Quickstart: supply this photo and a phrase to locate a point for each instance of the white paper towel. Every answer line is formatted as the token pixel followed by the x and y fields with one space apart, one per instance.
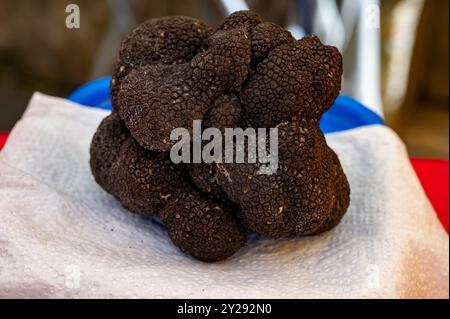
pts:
pixel 61 235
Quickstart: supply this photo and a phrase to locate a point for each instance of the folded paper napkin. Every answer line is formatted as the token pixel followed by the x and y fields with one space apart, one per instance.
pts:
pixel 61 235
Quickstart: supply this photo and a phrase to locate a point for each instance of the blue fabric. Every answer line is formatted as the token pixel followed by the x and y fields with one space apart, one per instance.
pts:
pixel 94 93
pixel 345 114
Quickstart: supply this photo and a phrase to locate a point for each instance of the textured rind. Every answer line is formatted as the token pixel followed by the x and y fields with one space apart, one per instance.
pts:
pixel 265 37
pixel 341 190
pixel 241 19
pixel 155 99
pixel 142 180
pixel 224 113
pixel 301 79
pixel 166 40
pixel 203 229
pixel 105 149
pixel 148 183
pixel 308 193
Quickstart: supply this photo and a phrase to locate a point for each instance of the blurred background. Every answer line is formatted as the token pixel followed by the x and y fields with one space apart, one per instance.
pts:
pixel 395 51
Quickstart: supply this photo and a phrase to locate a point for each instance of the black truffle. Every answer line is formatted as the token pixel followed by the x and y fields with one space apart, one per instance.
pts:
pixel 248 73
pixel 155 99
pixel 166 40
pixel 301 79
pixel 148 183
pixel 291 88
pixel 307 194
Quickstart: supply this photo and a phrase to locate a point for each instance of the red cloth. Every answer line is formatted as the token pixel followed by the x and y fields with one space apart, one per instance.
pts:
pixel 433 175
pixel 3 137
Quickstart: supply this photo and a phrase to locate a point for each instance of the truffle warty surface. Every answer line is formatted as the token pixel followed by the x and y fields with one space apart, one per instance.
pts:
pixel 247 73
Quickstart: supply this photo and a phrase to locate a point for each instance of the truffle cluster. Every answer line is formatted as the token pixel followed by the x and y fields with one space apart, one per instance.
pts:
pixel 247 73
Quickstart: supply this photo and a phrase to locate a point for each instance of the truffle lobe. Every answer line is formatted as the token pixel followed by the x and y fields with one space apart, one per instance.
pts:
pixel 166 40
pixel 202 229
pixel 299 79
pixel 243 19
pixel 156 99
pixel 305 195
pixel 146 182
pixel 265 37
pixel 224 113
